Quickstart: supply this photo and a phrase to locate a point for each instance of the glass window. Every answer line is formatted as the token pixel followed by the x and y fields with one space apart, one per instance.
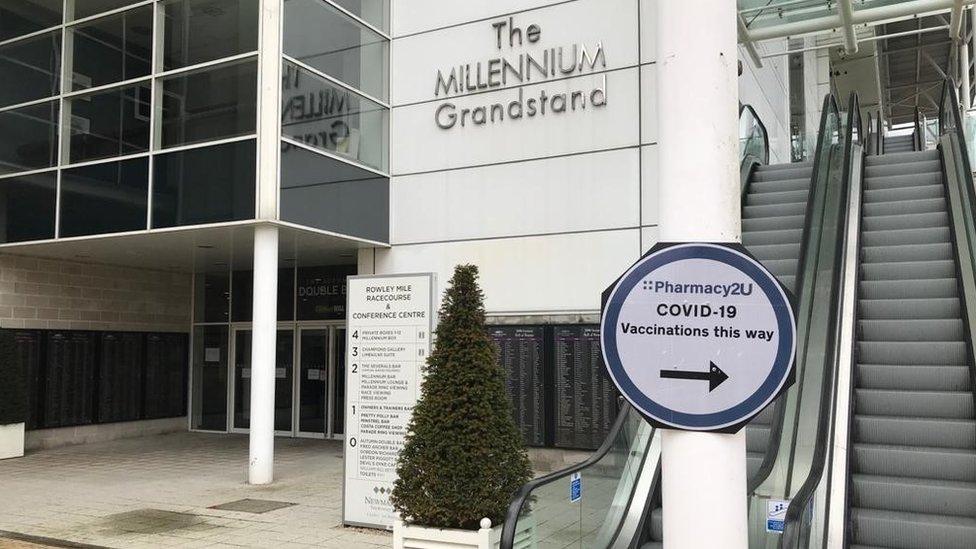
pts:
pixel 319 35
pixel 87 8
pixel 104 198
pixel 322 292
pixel 111 49
pixel 321 192
pixel 110 123
pixel 206 185
pixel 323 115
pixel 27 16
pixel 209 393
pixel 374 12
pixel 244 295
pixel 196 31
pixel 211 103
pixel 212 297
pixel 30 138
pixel 30 69
pixel 27 207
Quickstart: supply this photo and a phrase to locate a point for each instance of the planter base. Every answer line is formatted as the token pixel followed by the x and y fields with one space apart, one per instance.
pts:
pixel 11 440
pixel 408 536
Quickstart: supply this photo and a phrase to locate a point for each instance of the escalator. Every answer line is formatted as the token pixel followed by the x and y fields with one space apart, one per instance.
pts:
pixel 784 212
pixel 900 470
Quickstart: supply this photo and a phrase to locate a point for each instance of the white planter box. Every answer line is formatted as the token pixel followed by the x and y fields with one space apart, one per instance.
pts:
pixel 407 536
pixel 11 440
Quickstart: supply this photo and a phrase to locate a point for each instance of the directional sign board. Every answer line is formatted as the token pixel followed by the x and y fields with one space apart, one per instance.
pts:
pixel 698 336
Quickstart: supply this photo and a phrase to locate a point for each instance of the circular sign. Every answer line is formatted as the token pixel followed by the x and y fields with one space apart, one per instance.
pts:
pixel 698 336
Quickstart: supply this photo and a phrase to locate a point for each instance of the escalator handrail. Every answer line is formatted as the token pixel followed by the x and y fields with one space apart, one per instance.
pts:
pixel 799 503
pixel 776 429
pixel 764 159
pixel 919 137
pixel 515 507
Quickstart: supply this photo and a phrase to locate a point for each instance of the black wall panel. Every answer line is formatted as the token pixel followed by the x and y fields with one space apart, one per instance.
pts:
pixel 29 353
pixel 69 386
pixel 166 367
pixel 522 355
pixel 120 370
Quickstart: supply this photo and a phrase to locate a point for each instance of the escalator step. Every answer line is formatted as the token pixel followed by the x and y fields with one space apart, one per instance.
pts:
pixel 901 530
pixel 891 237
pixel 766 252
pixel 913 403
pixel 919 192
pixel 781 267
pixel 760 187
pixel 904 158
pixel 778 197
pixel 882 309
pixel 757 437
pixel 905 207
pixel 872 171
pixel 915 462
pixel 914 495
pixel 772 223
pixel 928 329
pixel 905 222
pixel 907 252
pixel 908 289
pixel 751 239
pixel 903 180
pixel 914 352
pixel 915 431
pixel 774 210
pixel 923 377
pixel 908 270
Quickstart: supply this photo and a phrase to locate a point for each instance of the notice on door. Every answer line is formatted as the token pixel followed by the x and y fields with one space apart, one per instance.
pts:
pixel 389 323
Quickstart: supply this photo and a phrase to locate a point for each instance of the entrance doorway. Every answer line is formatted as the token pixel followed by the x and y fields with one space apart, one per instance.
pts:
pixel 309 380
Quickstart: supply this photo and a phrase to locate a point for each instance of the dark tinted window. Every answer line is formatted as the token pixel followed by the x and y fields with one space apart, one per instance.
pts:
pixel 212 297
pixel 322 292
pixel 87 8
pixel 30 69
pixel 206 185
pixel 27 206
pixel 104 198
pixel 111 49
pixel 319 35
pixel 110 123
pixel 211 103
pixel 29 138
pixel 327 194
pixel 374 12
pixel 21 17
pixel 244 295
pixel 196 31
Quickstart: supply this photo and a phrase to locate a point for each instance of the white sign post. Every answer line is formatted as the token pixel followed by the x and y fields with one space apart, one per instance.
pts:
pixel 389 323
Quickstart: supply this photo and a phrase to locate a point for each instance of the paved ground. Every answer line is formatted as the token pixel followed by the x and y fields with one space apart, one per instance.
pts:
pixel 157 492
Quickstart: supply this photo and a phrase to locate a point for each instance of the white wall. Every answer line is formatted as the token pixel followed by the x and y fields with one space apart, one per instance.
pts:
pixel 767 90
pixel 552 208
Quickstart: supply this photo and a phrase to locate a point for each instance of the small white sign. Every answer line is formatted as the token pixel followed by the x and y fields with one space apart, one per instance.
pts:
pixel 776 515
pixel 313 375
pixel 280 372
pixel 211 354
pixel 245 373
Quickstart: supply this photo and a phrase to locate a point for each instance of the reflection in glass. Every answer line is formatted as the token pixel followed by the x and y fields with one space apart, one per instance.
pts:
pixel 319 35
pixel 196 31
pixel 30 69
pixel 323 115
pixel 87 8
pixel 29 138
pixel 27 206
pixel 322 192
pixel 104 198
pixel 374 12
pixel 314 380
pixel 242 379
pixel 205 185
pixel 244 298
pixel 211 299
pixel 110 123
pixel 322 292
pixel 211 103
pixel 111 49
pixel 27 16
pixel 209 392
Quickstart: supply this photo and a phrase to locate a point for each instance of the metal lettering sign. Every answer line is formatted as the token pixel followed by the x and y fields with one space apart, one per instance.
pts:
pixel 699 337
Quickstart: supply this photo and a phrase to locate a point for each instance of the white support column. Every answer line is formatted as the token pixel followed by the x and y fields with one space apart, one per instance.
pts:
pixel 964 75
pixel 703 474
pixel 264 322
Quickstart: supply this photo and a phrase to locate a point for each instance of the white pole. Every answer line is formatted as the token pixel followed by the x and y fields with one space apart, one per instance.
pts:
pixel 703 474
pixel 264 323
pixel 964 73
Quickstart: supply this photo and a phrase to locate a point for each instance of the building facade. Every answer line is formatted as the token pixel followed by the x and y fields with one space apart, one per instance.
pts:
pixel 146 143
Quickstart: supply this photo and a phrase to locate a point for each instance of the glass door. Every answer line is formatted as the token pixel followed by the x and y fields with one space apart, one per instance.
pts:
pixel 313 381
pixel 241 391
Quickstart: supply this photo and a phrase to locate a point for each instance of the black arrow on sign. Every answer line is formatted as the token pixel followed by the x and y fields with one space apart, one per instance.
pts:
pixel 715 376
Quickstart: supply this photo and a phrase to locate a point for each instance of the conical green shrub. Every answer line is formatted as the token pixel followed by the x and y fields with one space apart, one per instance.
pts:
pixel 463 457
